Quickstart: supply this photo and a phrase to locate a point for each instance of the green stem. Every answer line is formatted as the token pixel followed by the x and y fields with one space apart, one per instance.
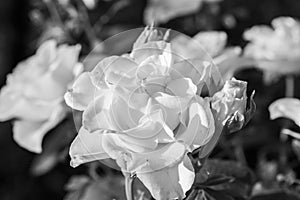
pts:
pixel 128 186
pixel 88 29
pixel 289 86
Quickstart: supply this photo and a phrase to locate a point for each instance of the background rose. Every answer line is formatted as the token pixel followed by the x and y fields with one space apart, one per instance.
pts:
pixel 211 43
pixel 275 49
pixel 33 93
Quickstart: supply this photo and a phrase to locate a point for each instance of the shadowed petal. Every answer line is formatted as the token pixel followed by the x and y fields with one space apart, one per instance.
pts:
pixel 82 93
pixel 29 135
pixel 86 147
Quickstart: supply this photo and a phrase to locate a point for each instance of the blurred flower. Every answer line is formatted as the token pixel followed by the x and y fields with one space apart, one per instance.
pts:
pixel 277 50
pixel 90 4
pixel 209 44
pixel 143 110
pixel 286 108
pixel 33 93
pixel 161 11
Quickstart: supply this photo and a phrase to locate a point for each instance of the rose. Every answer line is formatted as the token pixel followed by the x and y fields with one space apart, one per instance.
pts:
pixel 211 43
pixel 143 109
pixel 273 48
pixel 161 11
pixel 229 102
pixel 33 93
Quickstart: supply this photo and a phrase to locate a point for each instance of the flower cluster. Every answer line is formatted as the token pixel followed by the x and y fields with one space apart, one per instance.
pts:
pixel 33 94
pixel 145 111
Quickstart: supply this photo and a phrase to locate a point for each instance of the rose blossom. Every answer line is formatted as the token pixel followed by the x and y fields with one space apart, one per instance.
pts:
pixel 33 94
pixel 275 49
pixel 143 110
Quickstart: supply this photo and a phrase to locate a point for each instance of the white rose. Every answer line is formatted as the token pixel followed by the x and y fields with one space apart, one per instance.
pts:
pixel 275 49
pixel 143 110
pixel 33 94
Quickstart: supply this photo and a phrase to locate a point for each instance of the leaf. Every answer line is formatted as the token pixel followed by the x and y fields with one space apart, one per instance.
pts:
pixel 218 195
pixel 277 195
pixel 296 148
pixel 228 177
pixel 104 188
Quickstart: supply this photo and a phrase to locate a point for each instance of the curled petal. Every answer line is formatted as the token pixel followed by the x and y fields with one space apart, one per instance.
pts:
pixel 120 71
pixel 97 116
pixel 201 125
pixel 82 92
pixel 86 147
pixel 171 182
pixel 287 108
pixel 153 48
pixel 29 134
pixel 182 87
pixel 201 73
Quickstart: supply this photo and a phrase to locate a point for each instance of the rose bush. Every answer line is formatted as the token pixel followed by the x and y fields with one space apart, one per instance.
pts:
pixel 144 110
pixel 33 94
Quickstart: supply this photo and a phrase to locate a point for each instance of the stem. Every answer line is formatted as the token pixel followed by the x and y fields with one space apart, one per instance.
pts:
pixel 128 186
pixel 88 29
pixel 92 167
pixel 289 86
pixel 111 12
pixel 239 152
pixel 55 16
pixel 53 12
pixel 192 195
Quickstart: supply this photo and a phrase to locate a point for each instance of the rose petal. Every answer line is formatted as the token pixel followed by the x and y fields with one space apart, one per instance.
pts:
pixel 67 59
pixel 118 70
pixel 181 87
pixel 82 93
pixel 287 108
pixel 171 182
pixel 153 48
pixel 14 105
pixel 86 147
pixel 200 72
pixel 97 116
pixel 200 127
pixel 29 135
pixel 46 52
